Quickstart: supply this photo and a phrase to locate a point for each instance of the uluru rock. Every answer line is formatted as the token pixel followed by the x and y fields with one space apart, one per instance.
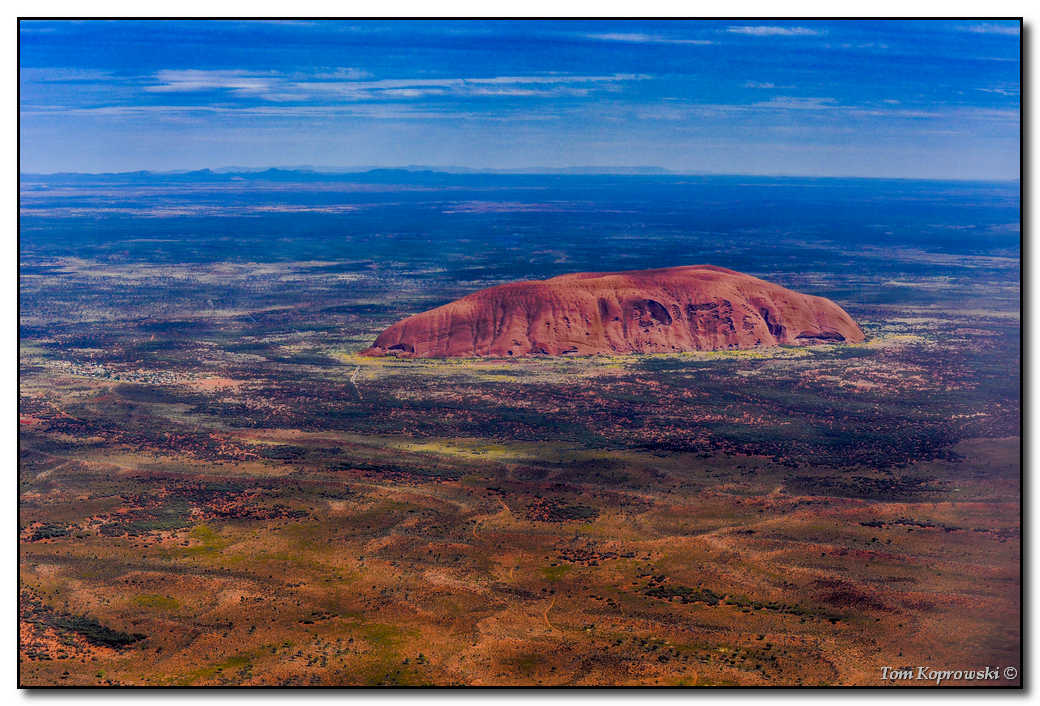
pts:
pixel 693 308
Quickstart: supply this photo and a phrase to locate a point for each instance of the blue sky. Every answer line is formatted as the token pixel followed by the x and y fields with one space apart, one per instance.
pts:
pixel 930 99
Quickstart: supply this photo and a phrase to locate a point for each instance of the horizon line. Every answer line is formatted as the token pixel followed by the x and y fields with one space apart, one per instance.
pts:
pixel 617 170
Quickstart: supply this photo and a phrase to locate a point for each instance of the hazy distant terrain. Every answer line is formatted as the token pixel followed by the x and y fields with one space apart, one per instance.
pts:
pixel 216 489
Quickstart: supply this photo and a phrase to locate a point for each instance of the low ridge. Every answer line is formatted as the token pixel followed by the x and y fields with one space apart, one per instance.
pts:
pixel 692 308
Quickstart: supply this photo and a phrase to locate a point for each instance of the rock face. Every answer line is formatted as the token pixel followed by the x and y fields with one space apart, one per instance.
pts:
pixel 699 307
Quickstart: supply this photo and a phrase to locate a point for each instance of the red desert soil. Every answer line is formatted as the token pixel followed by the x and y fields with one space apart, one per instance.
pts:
pixel 699 307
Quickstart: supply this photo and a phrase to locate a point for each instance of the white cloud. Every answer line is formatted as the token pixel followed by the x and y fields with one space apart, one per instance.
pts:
pixel 374 111
pixel 343 74
pixel 639 38
pixel 496 80
pixel 790 103
pixel 332 84
pixel 827 106
pixel 759 84
pixel 774 31
pixel 1000 91
pixel 174 81
pixel 989 28
pixel 860 45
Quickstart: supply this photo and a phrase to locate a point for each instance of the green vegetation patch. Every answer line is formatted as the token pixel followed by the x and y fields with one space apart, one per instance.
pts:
pixel 154 600
pixel 172 515
pixel 382 634
pixel 242 660
pixel 526 663
pixel 555 572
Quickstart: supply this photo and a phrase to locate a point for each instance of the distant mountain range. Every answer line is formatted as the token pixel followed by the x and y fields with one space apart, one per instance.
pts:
pixel 413 174
pixel 456 170
pixel 311 170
